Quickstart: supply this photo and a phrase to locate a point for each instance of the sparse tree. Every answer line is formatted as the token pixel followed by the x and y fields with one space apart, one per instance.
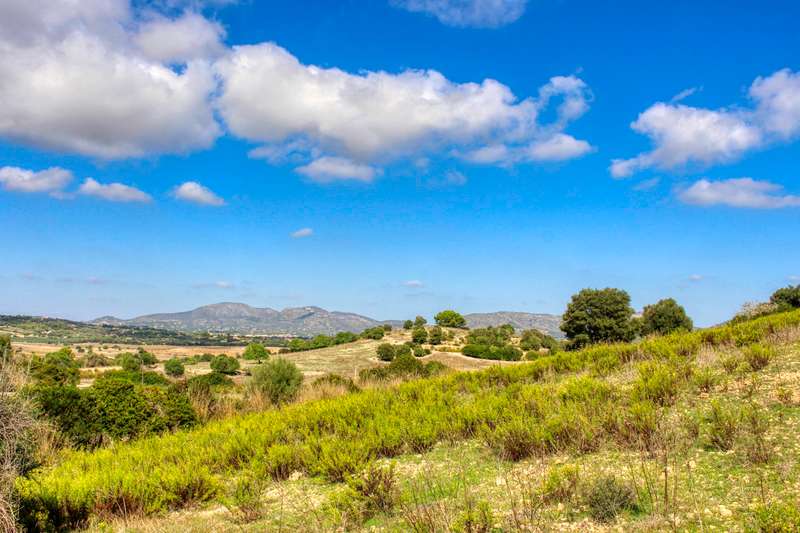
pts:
pixel 450 319
pixel 408 324
pixel 598 315
pixel 664 317
pixel 420 321
pixel 224 364
pixel 255 352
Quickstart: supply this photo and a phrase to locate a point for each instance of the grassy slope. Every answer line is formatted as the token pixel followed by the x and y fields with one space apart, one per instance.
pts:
pixel 712 487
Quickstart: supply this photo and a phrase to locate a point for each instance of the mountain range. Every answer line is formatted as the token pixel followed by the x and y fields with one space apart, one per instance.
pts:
pixel 305 321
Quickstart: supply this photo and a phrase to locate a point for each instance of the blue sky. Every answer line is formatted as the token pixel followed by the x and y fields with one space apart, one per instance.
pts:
pixel 352 155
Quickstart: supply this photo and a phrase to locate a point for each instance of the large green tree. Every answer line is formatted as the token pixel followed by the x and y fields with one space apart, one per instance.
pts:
pixel 786 297
pixel 598 315
pixel 665 316
pixel 450 319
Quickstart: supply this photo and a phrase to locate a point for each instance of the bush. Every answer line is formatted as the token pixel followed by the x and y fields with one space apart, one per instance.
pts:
pixel 664 317
pixel 721 426
pixel 55 368
pixel 758 356
pixel 436 335
pixel 408 324
pixel 337 381
pixel 129 362
pixel 278 380
pixel 497 353
pixel 142 378
pixel 92 359
pixel 657 382
pixel 255 352
pixel 607 497
pixel 533 339
pixel 776 518
pixel 209 381
pixel 224 364
pixel 419 351
pixel 450 319
pixel 174 367
pixel 420 321
pixel 491 336
pixel 385 351
pixel 375 333
pixel 786 298
pixel 419 335
pixel 598 315
pixel 5 348
pixel 146 357
pixel 377 487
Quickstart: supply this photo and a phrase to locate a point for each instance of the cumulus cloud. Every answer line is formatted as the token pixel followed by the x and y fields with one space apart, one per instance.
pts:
pixel 113 192
pixel 301 233
pixel 191 191
pixel 328 169
pixel 738 192
pixel 189 37
pixel 52 180
pixel 293 109
pixel 682 135
pixel 73 79
pixel 467 13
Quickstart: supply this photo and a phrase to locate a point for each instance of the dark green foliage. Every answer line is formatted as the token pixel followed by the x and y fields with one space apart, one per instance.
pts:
pixel 278 380
pixel 497 353
pixel 664 316
pixel 533 339
pixel 404 349
pixel 385 351
pixel 375 333
pixel 224 364
pixel 55 368
pixel 344 337
pixel 174 367
pixel 408 324
pixel 607 497
pixel 435 335
pixel 491 336
pixel 419 335
pixel 420 321
pixel 146 357
pixel 786 297
pixel 255 352
pixel 92 359
pixel 336 380
pixel 419 351
pixel 202 358
pixel 450 319
pixel 5 348
pixel 129 362
pixel 113 409
pixel 210 380
pixel 404 365
pixel 142 378
pixel 598 315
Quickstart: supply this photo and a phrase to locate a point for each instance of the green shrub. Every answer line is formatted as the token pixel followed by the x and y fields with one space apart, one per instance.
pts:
pixel 209 381
pixel 385 351
pixel 420 351
pixel 377 487
pixel 244 501
pixel 657 382
pixel 408 324
pixel 561 484
pixel 758 356
pixel 419 335
pixel 255 352
pixel 146 357
pixel 476 518
pixel 174 367
pixel 92 359
pixel 55 368
pixel 598 315
pixel 419 321
pixel 533 339
pixel 142 378
pixel 705 379
pixel 786 297
pixel 436 335
pixel 5 348
pixel 375 333
pixel 450 319
pixel 278 380
pixel 224 364
pixel 497 353
pixel 607 497
pixel 721 426
pixel 336 380
pixel 775 518
pixel 663 317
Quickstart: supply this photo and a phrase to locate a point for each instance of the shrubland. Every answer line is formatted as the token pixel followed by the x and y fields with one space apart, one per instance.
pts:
pixel 619 398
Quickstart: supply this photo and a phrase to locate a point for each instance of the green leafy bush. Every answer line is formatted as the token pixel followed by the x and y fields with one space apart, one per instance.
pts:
pixel 385 351
pixel 607 497
pixel 598 315
pixel 55 368
pixel 775 518
pixel 225 364
pixel 142 378
pixel 657 382
pixel 758 356
pixel 408 324
pixel 663 317
pixel 174 367
pixel 375 333
pixel 533 339
pixel 210 380
pixel 420 321
pixel 436 335
pixel 337 381
pixel 786 297
pixel 498 353
pixel 419 335
pixel 278 380
pixel 721 426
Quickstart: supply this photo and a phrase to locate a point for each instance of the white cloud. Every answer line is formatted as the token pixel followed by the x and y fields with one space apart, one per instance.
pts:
pixel 269 97
pixel 52 180
pixel 646 185
pixel 794 278
pixel 468 13
pixel 684 94
pixel 559 147
pixel 186 38
pixel 328 169
pixel 73 80
pixel 301 233
pixel 191 191
pixel 113 192
pixel 696 277
pixel 224 285
pixel 738 192
pixel 682 135
pixel 413 284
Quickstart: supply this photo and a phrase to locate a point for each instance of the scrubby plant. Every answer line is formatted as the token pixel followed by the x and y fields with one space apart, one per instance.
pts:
pixel 420 351
pixel 607 497
pixel 210 380
pixel 758 356
pixel 755 426
pixel 561 484
pixel 278 380
pixel 244 502
pixel 420 321
pixel 775 517
pixel 450 319
pixel 408 324
pixel 375 333
pixel 5 348
pixel 419 335
pixel 174 367
pixel 129 362
pixel 786 297
pixel 94 359
pixel 657 382
pixel 491 336
pixel 255 352
pixel 140 377
pixel 721 424
pixel 56 368
pixel 476 518
pixel 534 340
pixel 435 335
pixel 377 487
pixel 705 379
pixel 385 351
pixel 224 364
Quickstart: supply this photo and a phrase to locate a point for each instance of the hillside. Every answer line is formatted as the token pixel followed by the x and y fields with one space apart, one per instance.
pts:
pixel 690 431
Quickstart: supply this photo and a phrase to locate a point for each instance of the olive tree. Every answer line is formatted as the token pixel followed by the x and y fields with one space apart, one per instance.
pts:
pixel 598 315
pixel 665 316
